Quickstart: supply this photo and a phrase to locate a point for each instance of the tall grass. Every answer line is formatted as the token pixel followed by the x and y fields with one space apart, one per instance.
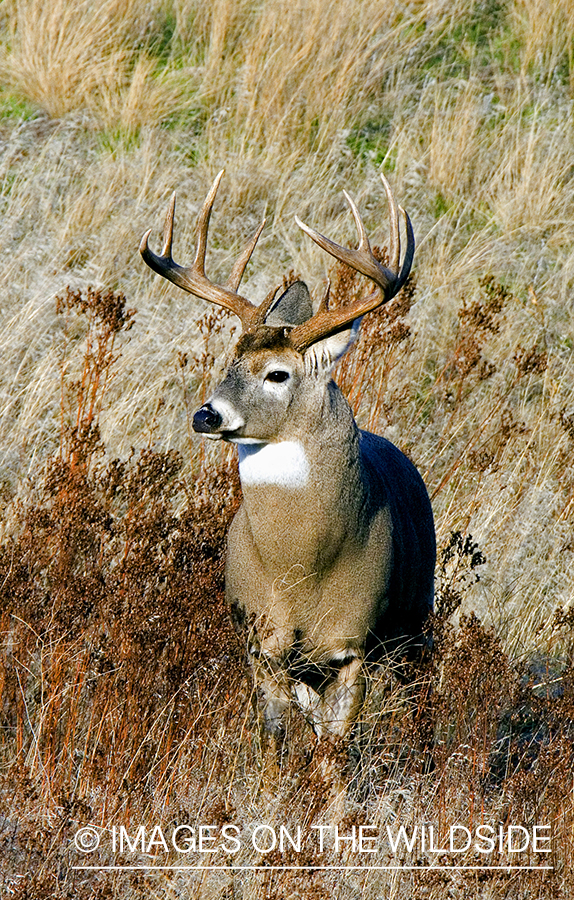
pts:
pixel 124 693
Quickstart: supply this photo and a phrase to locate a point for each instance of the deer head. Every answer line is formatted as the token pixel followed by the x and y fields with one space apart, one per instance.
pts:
pixel 282 339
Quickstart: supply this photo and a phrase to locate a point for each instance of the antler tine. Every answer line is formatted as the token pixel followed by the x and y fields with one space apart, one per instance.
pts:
pixel 409 253
pixel 240 265
pixel 192 278
pixel 395 242
pixel 361 230
pixel 168 228
pixel 266 305
pixel 324 302
pixel 202 226
pixel 390 280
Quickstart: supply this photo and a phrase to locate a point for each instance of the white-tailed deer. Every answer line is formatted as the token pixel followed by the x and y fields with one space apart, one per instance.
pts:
pixel 331 555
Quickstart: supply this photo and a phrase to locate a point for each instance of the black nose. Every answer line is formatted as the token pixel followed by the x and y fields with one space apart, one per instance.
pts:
pixel 207 420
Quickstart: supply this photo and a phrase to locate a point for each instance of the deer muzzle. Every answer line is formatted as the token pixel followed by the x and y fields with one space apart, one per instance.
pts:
pixel 207 420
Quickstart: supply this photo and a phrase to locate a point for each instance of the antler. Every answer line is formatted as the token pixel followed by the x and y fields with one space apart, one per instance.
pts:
pixel 193 278
pixel 329 321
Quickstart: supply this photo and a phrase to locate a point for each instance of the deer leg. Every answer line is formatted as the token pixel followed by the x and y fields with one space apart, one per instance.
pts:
pixel 333 711
pixel 332 704
pixel 272 690
pixel 341 701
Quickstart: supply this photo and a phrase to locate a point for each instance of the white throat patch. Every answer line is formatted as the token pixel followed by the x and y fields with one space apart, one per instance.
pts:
pixel 284 464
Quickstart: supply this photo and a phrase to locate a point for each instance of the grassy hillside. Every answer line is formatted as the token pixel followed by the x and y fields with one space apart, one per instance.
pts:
pixel 124 693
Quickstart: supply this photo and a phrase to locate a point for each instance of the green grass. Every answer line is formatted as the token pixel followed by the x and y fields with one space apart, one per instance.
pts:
pixel 15 108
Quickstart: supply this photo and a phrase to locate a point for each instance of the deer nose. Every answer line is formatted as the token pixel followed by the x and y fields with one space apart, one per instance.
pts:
pixel 207 420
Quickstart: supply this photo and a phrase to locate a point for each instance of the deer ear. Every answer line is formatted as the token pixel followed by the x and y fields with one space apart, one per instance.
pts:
pixel 321 356
pixel 292 308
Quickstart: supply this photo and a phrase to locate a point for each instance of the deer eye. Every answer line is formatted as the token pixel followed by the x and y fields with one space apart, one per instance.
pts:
pixel 277 376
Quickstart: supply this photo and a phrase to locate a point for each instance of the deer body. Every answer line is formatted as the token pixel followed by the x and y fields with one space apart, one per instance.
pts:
pixel 331 555
pixel 323 562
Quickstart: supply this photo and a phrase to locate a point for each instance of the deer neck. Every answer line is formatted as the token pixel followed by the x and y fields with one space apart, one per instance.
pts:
pixel 309 483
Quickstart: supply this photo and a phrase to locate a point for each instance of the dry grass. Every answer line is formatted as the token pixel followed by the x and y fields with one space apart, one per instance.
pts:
pixel 124 695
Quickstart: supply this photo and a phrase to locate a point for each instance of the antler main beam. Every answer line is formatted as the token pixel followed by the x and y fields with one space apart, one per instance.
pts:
pixel 193 278
pixel 389 280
